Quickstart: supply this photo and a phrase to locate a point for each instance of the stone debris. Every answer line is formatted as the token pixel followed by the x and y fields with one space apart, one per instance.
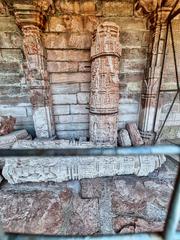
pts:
pixel 124 138
pixel 8 140
pixel 6 124
pixel 63 168
pixel 134 134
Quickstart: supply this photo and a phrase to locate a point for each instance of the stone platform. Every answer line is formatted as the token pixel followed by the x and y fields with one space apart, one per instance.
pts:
pixel 109 205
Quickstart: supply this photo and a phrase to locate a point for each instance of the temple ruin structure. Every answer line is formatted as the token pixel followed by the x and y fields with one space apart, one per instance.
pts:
pixel 82 82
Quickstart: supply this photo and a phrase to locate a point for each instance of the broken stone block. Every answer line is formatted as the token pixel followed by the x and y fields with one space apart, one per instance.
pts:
pixel 8 140
pixel 6 124
pixel 63 168
pixel 124 138
pixel 134 134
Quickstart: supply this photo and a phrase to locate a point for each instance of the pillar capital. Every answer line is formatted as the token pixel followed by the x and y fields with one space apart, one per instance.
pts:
pixel 32 12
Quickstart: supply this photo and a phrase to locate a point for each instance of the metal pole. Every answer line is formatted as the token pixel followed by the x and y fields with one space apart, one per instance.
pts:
pixel 108 151
pixel 173 216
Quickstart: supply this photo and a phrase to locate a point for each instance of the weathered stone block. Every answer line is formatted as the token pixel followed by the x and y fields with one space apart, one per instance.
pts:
pixel 83 98
pixel 58 169
pixel 72 126
pixel 68 55
pixel 123 138
pixel 131 38
pixel 84 67
pixel 91 188
pixel 11 55
pixel 16 111
pixel 117 8
pixel 70 77
pixel 65 88
pixel 75 118
pixel 10 39
pixel 134 53
pixel 134 134
pixel 8 140
pixel 64 41
pixel 10 67
pixel 65 99
pixel 62 67
pixel 73 134
pixel 7 24
pixel 66 213
pixel 81 109
pixel 141 199
pixel 61 110
pixel 85 87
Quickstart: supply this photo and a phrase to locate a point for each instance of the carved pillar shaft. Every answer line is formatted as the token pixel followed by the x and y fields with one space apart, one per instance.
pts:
pixel 151 84
pixel 104 96
pixel 31 24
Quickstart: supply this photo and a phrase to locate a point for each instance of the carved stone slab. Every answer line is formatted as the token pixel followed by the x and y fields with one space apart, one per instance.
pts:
pixel 58 169
pixel 124 138
pixel 134 133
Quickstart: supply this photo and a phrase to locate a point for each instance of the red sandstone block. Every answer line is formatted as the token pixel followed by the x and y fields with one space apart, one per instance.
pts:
pixel 62 66
pixel 68 55
pixel 78 77
pixel 134 134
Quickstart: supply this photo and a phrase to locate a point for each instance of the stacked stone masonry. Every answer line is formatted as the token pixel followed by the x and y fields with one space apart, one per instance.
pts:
pixel 67 39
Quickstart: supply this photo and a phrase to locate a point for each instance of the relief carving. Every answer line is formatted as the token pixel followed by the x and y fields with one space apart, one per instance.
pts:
pixel 31 26
pixel 104 96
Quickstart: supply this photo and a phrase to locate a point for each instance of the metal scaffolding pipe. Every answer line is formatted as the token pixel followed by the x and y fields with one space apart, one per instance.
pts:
pixel 108 151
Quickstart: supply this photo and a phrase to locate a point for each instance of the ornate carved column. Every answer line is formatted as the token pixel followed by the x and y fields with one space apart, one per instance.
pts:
pixel 157 12
pixel 31 19
pixel 104 96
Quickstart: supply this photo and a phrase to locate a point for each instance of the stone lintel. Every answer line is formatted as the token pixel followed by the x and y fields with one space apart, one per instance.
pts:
pixel 64 168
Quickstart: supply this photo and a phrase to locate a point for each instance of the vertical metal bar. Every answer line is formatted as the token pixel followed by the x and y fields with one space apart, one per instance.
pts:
pixel 173 216
pixel 160 83
pixel 159 133
pixel 174 55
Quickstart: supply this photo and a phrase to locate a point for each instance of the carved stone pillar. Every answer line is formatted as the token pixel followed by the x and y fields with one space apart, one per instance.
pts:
pixel 158 15
pixel 31 21
pixel 104 96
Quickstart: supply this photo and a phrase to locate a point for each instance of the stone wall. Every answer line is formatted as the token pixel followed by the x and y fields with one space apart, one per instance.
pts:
pixel 67 39
pixel 89 207
pixel 14 95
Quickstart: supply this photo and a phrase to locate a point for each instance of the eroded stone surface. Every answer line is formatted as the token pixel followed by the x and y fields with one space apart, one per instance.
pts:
pixel 123 138
pixel 8 140
pixel 134 134
pixel 50 211
pixel 59 169
pixel 6 124
pixel 104 92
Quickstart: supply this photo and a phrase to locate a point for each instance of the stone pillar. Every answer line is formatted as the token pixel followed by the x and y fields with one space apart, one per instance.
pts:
pixel 104 95
pixel 151 84
pixel 31 20
pixel 157 12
